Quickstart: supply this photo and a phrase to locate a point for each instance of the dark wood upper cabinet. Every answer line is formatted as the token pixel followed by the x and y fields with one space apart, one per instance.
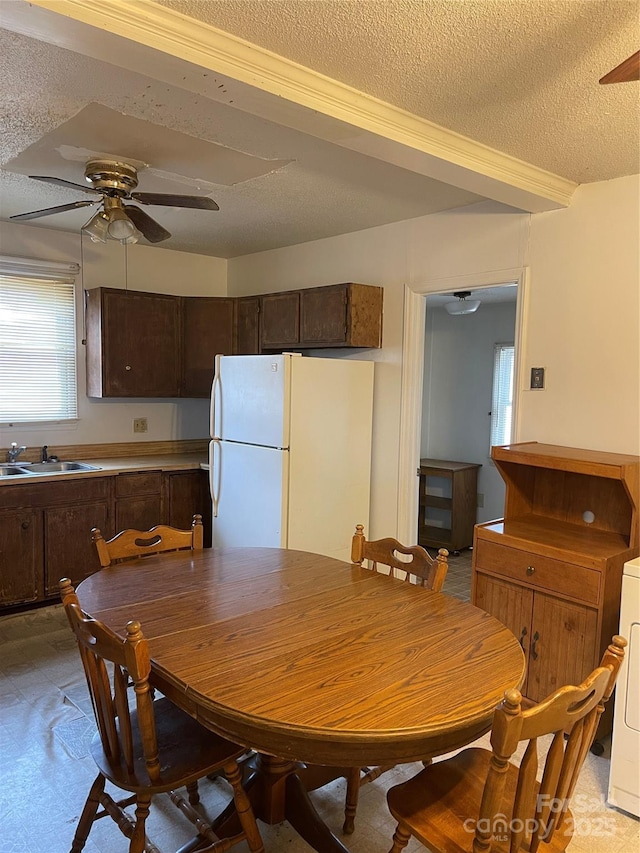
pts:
pixel 337 315
pixel 156 345
pixel 341 315
pixel 133 343
pixel 207 330
pixel 247 325
pixel 280 320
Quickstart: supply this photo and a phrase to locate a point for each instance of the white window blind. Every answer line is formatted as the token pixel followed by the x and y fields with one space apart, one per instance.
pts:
pixel 502 397
pixel 37 344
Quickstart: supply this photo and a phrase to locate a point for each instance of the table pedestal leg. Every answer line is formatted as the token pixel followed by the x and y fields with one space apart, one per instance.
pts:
pixel 278 793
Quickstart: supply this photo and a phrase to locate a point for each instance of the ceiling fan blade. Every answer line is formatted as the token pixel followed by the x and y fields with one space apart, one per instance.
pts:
pixel 626 72
pixel 197 201
pixel 47 211
pixel 149 228
pixel 62 183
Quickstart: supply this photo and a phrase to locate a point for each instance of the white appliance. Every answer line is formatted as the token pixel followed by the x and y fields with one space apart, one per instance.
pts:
pixel 624 777
pixel 290 455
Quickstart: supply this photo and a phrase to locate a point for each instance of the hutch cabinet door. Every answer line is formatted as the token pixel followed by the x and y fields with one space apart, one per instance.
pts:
pixel 511 604
pixel 563 645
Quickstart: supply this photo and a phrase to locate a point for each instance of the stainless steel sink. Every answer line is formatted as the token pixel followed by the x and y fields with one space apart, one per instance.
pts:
pixel 11 470
pixel 58 467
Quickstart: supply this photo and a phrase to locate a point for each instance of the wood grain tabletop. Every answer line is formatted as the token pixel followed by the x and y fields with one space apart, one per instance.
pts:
pixel 308 658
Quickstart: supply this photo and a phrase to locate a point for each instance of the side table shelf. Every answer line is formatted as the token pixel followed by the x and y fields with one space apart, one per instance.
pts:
pixel 450 488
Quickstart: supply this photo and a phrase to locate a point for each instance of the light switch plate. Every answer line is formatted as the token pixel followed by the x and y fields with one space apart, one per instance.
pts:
pixel 537 377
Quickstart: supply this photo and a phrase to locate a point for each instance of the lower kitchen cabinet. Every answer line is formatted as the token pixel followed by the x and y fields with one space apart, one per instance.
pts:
pixel 138 500
pixel 187 493
pixel 45 527
pixel 20 556
pixel 69 551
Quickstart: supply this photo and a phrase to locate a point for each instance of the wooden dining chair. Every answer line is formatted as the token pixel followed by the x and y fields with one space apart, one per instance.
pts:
pixel 131 544
pixel 421 569
pixel 148 749
pixel 479 800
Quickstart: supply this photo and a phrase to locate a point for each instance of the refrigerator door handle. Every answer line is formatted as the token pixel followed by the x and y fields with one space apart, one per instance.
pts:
pixel 215 387
pixel 215 474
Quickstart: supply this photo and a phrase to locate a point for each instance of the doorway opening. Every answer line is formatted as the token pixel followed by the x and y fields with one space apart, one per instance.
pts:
pixel 441 358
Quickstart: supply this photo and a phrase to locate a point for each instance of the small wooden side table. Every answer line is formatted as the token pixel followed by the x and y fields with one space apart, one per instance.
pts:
pixel 460 507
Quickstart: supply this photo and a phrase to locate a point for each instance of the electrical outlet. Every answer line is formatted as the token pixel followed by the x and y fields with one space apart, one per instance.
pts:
pixel 480 500
pixel 140 425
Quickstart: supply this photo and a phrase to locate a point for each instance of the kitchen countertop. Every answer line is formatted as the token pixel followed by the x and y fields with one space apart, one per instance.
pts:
pixel 108 467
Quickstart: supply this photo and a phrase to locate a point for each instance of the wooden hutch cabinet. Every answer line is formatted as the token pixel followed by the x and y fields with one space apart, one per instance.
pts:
pixel 551 569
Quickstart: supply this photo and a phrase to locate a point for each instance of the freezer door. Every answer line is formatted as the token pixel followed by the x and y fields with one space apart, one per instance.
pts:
pixel 250 399
pixel 249 489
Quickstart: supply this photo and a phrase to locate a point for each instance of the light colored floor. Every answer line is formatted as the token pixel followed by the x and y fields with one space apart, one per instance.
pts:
pixel 45 770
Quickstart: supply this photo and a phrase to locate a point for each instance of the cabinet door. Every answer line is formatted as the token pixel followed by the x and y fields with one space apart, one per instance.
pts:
pixel 511 604
pixel 138 500
pixel 141 513
pixel 141 344
pixel 248 325
pixel 69 551
pixel 187 493
pixel 280 320
pixel 207 330
pixel 323 316
pixel 20 556
pixel 563 645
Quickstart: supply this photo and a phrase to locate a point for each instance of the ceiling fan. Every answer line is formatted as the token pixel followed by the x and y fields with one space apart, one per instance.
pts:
pixel 115 182
pixel 625 72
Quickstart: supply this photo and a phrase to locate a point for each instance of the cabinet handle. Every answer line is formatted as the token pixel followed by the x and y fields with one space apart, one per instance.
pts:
pixel 25 525
pixel 522 636
pixel 127 367
pixel 530 570
pixel 534 653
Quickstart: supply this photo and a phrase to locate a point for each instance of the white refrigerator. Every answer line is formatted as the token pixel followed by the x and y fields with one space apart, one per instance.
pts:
pixel 290 451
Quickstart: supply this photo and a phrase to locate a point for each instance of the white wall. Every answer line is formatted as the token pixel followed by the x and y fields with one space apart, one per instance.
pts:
pixel 484 237
pixel 589 251
pixel 147 268
pixel 458 383
pixel 584 321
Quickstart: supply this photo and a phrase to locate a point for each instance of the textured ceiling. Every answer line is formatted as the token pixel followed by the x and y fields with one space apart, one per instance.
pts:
pixel 518 75
pixel 521 77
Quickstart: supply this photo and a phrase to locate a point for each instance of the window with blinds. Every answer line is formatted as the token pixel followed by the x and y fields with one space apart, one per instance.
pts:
pixel 502 396
pixel 37 345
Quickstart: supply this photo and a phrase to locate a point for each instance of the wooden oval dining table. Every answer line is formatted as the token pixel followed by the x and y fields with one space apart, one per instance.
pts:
pixel 316 664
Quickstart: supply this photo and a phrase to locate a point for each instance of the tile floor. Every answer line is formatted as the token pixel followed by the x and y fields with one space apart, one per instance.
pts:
pixel 46 771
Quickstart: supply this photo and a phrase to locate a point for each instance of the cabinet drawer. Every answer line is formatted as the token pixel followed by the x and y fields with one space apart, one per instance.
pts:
pixel 537 571
pixel 143 483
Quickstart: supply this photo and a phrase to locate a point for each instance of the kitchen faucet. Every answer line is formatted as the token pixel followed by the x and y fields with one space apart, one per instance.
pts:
pixel 14 451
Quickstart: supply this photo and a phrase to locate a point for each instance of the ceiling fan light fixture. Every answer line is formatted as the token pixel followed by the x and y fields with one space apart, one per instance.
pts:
pixel 120 227
pixel 463 305
pixel 96 227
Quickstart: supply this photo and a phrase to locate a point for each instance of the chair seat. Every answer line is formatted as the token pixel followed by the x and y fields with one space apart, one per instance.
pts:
pixel 439 803
pixel 187 750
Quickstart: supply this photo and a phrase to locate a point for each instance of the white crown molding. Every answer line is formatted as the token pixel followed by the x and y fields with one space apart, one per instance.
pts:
pixel 462 161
